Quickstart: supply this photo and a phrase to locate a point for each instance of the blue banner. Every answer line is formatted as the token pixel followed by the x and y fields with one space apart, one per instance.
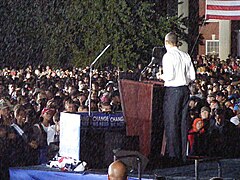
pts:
pixel 102 120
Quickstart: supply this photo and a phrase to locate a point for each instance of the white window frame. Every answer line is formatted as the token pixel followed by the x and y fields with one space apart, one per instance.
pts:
pixel 206 46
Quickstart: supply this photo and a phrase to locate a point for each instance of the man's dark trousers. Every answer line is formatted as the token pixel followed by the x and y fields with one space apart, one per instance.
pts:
pixel 175 111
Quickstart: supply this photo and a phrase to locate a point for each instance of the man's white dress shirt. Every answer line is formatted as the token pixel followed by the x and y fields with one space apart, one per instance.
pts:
pixel 178 69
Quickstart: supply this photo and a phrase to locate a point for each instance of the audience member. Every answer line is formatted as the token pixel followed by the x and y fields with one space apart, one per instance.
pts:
pixel 193 136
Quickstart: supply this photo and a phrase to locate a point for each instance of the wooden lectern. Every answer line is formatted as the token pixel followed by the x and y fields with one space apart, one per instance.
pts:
pixel 142 110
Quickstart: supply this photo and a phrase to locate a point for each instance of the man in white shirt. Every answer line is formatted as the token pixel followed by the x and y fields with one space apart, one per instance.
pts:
pixel 178 72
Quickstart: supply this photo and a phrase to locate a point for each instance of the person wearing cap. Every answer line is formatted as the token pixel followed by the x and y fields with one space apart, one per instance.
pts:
pixel 178 72
pixel 43 133
pixel 117 171
pixel 205 112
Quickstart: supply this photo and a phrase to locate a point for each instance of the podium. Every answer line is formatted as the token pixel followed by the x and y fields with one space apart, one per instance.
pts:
pixel 142 110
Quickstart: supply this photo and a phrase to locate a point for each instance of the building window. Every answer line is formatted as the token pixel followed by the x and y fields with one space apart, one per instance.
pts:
pixel 212 47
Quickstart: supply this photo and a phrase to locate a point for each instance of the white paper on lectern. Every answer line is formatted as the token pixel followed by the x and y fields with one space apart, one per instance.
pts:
pixel 70 135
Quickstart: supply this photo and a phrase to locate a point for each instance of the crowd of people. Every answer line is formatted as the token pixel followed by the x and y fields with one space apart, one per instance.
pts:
pixel 30 105
pixel 31 100
pixel 214 108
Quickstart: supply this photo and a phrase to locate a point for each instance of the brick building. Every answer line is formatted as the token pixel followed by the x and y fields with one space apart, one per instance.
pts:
pixel 220 37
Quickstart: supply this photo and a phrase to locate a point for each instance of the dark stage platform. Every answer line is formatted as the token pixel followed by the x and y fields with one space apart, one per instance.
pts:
pixel 230 170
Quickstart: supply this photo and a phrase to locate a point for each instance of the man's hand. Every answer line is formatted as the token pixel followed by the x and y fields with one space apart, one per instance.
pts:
pixel 159 76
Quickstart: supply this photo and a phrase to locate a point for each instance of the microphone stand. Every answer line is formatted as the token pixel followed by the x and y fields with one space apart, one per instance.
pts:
pixel 145 69
pixel 142 72
pixel 90 80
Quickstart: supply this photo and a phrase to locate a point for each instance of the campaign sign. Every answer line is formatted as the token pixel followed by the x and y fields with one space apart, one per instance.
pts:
pixel 70 135
pixel 116 120
pixel 100 120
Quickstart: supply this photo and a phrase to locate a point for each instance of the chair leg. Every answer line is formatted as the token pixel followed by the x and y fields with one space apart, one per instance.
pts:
pixel 196 169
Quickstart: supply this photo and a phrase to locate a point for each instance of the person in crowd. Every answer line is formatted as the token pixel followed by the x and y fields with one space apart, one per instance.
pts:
pixel 82 98
pixel 22 149
pixel 221 136
pixel 210 98
pixel 178 72
pixel 105 107
pixel 201 138
pixel 43 133
pixel 220 97
pixel 193 136
pixel 236 119
pixel 70 106
pixel 5 113
pixel 205 116
pixel 82 108
pixel 214 105
pixel 117 170
pixel 116 102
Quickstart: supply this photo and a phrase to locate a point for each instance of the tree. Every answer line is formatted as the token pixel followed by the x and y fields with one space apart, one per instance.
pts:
pixel 131 27
pixel 73 32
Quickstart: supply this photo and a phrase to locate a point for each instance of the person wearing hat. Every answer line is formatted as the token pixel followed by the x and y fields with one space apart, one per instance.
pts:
pixel 5 114
pixel 205 113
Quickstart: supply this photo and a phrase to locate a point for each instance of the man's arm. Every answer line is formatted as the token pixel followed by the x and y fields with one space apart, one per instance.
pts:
pixel 168 68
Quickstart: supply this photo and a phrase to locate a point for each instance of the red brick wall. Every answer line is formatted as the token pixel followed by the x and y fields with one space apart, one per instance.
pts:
pixel 208 29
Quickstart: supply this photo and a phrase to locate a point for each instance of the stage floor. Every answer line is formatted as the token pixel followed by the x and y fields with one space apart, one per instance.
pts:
pixel 230 171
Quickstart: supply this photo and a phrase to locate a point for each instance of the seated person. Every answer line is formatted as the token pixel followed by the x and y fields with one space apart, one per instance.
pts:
pixel 193 136
pixel 221 135
pixel 117 171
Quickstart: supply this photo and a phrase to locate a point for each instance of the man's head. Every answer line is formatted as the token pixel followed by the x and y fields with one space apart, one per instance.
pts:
pixel 117 171
pixel 4 108
pixel 171 39
pixel 205 112
pixel 219 115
